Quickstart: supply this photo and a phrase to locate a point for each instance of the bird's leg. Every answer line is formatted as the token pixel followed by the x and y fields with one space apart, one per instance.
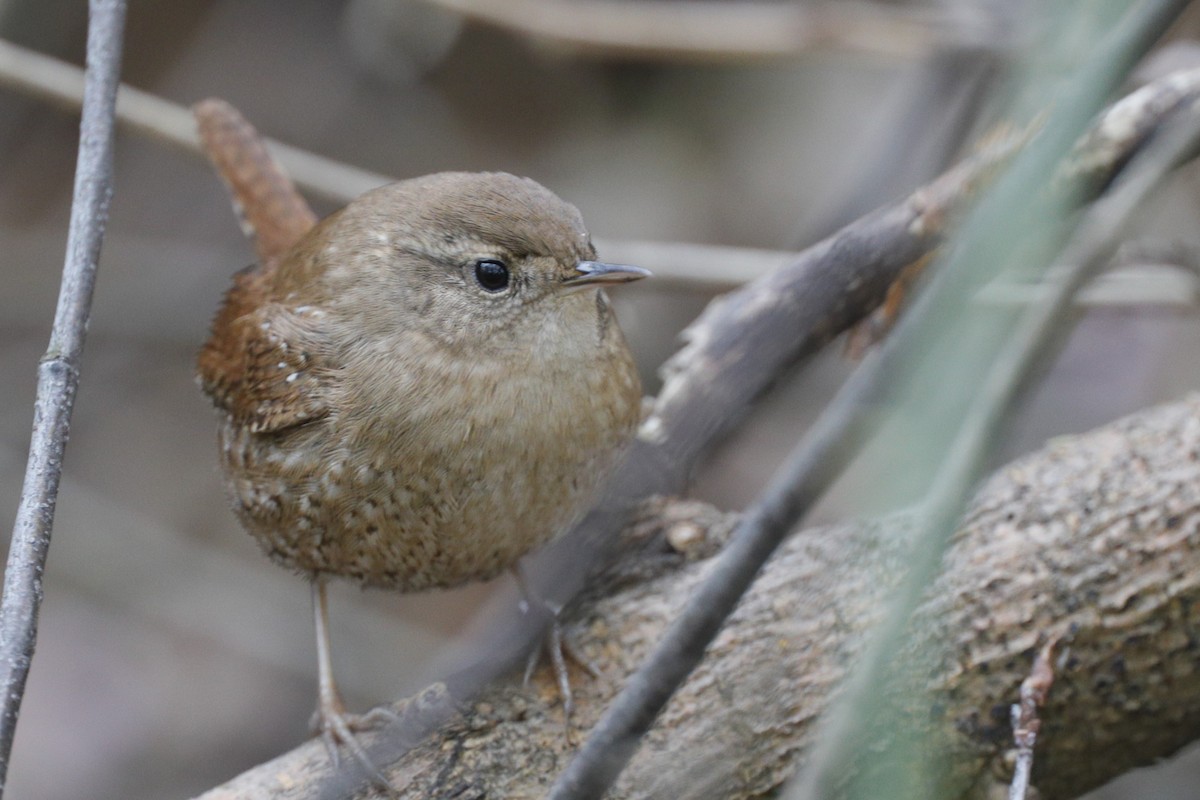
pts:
pixel 330 720
pixel 555 643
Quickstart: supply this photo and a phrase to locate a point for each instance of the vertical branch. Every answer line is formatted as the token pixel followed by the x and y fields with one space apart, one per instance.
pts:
pixel 58 372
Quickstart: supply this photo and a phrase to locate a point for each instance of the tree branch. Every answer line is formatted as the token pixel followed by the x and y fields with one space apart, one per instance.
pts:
pixel 58 372
pixel 55 80
pixel 1037 557
pixel 747 337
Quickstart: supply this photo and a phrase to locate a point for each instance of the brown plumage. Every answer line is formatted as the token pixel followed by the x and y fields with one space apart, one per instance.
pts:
pixel 426 387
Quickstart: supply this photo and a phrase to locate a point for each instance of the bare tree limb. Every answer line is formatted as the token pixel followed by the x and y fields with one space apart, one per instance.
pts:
pixel 798 308
pixel 58 371
pixel 1037 557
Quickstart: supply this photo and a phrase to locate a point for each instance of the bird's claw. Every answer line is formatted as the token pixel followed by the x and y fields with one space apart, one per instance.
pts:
pixel 560 647
pixel 337 729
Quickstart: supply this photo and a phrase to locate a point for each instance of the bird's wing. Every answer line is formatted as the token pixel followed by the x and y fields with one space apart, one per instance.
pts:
pixel 265 363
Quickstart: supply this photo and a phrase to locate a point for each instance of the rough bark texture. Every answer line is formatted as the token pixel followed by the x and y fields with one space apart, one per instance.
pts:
pixel 1094 540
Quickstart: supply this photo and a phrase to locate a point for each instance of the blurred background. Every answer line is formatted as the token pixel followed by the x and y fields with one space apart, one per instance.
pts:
pixel 171 654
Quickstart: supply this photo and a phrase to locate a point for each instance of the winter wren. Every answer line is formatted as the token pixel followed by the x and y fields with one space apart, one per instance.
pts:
pixel 429 385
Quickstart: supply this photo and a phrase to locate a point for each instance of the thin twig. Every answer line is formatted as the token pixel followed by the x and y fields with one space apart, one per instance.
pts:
pixel 52 79
pixel 58 372
pixel 715 31
pixel 1025 720
pixel 827 446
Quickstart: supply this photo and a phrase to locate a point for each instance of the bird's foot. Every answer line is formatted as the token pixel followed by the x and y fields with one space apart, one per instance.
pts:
pixel 559 647
pixel 337 729
pixel 555 642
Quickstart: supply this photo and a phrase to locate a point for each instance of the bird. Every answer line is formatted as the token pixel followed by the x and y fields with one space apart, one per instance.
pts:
pixel 430 384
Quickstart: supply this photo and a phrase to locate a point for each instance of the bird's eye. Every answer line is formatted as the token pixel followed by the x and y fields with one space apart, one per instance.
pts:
pixel 491 274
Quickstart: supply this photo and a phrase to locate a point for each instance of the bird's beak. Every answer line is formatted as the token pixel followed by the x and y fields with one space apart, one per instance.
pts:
pixel 597 272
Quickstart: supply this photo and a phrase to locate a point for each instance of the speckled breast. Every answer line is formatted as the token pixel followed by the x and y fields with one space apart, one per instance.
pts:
pixel 439 505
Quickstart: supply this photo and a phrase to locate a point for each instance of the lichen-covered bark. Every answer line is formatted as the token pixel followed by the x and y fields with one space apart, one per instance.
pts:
pixel 1094 541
